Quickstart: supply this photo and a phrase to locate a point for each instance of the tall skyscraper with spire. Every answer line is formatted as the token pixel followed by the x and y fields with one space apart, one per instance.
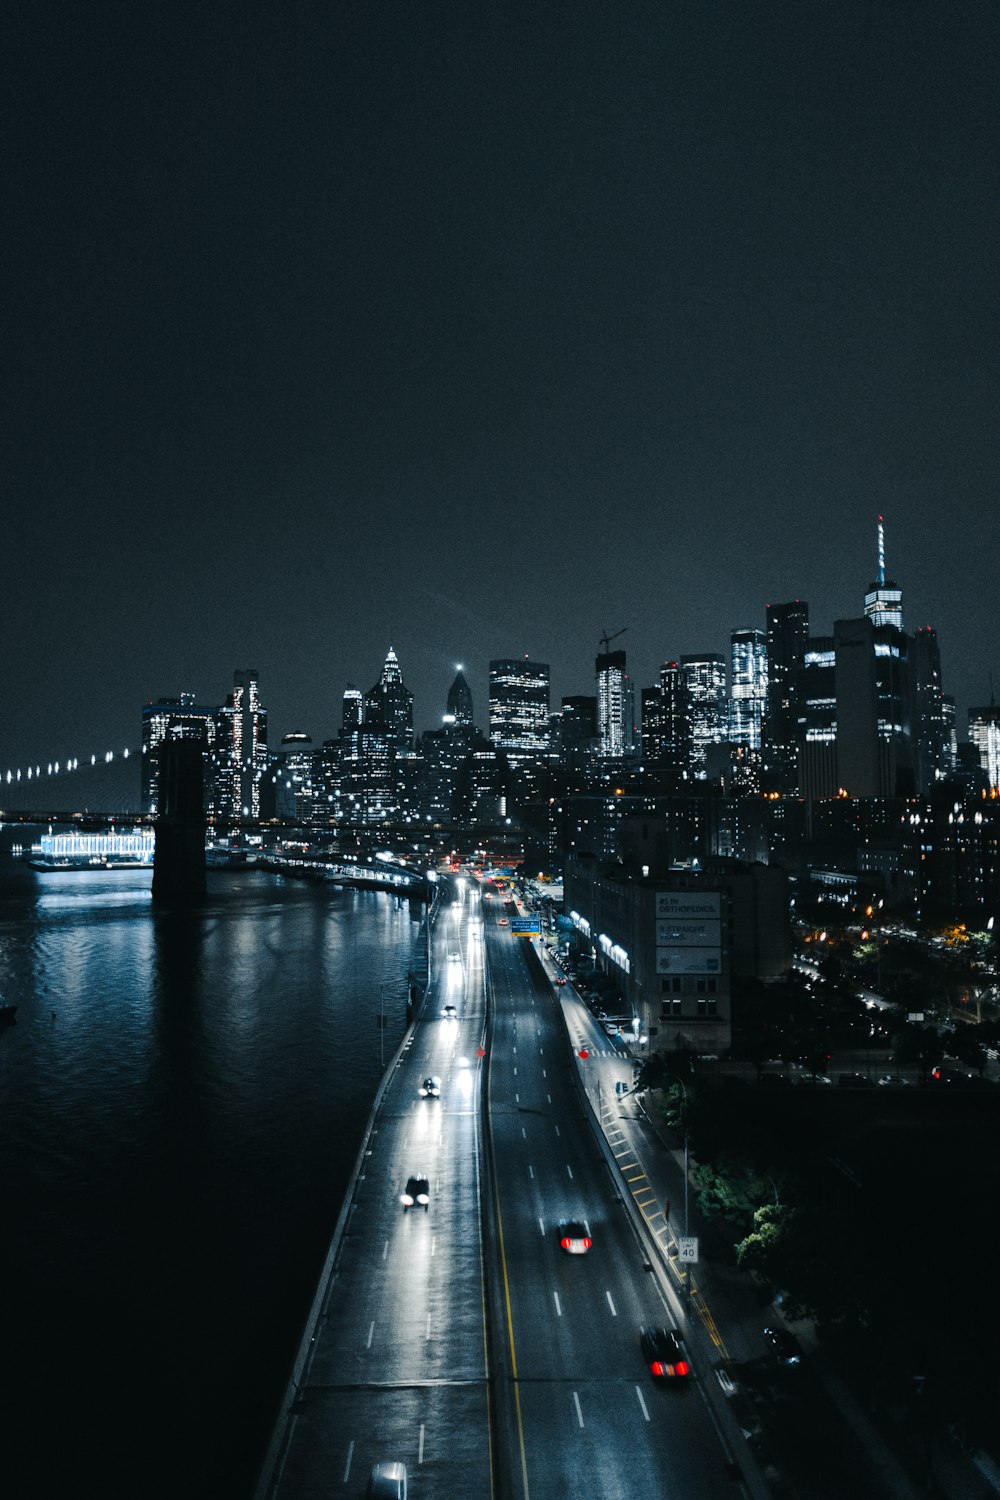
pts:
pixel 884 599
pixel 876 709
pixel 389 706
pixel 460 702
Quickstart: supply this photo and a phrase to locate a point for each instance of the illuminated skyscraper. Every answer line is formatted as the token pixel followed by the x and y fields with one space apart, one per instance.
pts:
pixel 389 707
pixel 242 748
pixel 816 719
pixel 292 779
pixel 614 705
pixel 748 687
pixel 706 679
pixel 519 706
pixel 875 709
pixel 666 723
pixel 173 719
pixel 352 712
pixel 460 702
pixel 984 733
pixel 884 599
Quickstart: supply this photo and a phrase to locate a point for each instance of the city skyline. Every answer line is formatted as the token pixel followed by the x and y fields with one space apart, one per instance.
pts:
pixel 427 717
pixel 482 336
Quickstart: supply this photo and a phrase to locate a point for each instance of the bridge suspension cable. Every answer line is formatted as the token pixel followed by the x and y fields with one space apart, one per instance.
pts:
pixel 52 768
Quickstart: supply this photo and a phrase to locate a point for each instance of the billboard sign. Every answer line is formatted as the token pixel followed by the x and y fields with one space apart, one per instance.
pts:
pixel 684 932
pixel 688 961
pixel 688 904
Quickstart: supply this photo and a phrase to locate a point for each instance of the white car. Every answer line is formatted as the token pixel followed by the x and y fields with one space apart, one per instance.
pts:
pixel 454 958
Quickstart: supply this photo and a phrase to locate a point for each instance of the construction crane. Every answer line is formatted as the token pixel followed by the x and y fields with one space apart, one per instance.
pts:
pixel 605 640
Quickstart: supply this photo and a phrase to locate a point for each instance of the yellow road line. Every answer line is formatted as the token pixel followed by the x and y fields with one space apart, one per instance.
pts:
pixel 513 1352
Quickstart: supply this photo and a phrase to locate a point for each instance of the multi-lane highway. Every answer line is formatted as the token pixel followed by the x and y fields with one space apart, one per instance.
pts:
pixel 584 1416
pixel 461 1339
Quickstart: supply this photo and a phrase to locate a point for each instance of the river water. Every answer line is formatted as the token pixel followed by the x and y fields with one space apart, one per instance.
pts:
pixel 183 1097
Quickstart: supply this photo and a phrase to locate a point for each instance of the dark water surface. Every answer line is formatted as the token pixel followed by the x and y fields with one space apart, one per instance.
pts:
pixel 182 1098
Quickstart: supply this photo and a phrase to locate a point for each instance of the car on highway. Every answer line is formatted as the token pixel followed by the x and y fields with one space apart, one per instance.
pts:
pixel 574 1236
pixel 784 1346
pixel 503 922
pixel 450 1012
pixel 430 1088
pixel 559 979
pixel 454 958
pixel 417 1193
pixel 387 1481
pixel 664 1353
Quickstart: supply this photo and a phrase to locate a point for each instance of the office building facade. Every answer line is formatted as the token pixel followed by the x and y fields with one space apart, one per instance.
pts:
pixel 748 687
pixel 519 707
pixel 615 712
pixel 707 709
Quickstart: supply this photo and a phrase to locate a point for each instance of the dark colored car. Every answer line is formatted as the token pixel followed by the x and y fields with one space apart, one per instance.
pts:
pixel 431 1087
pixel 664 1353
pixel 416 1194
pixel 783 1345
pixel 574 1237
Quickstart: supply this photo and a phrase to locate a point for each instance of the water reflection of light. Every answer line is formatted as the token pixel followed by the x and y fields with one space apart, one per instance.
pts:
pixel 463 1078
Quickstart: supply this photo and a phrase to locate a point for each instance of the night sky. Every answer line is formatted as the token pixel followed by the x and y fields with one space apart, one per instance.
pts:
pixel 481 330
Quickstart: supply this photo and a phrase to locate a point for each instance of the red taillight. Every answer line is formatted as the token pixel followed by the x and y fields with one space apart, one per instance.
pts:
pixel 587 1244
pixel 681 1368
pixel 565 1243
pixel 656 1368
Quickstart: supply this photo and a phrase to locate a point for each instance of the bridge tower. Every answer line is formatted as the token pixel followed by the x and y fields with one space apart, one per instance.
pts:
pixel 179 854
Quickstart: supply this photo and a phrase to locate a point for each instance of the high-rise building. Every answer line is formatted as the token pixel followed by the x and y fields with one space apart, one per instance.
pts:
pixel 615 713
pixel 577 730
pixel 787 635
pixel 519 707
pixel 884 599
pixel 650 723
pixel 459 710
pixel 748 687
pixel 171 719
pixel 706 679
pixel 666 723
pixel 389 707
pixel 816 719
pixel 875 709
pixel 292 776
pixel 241 748
pixel 932 728
pixel 984 734
pixel 352 713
